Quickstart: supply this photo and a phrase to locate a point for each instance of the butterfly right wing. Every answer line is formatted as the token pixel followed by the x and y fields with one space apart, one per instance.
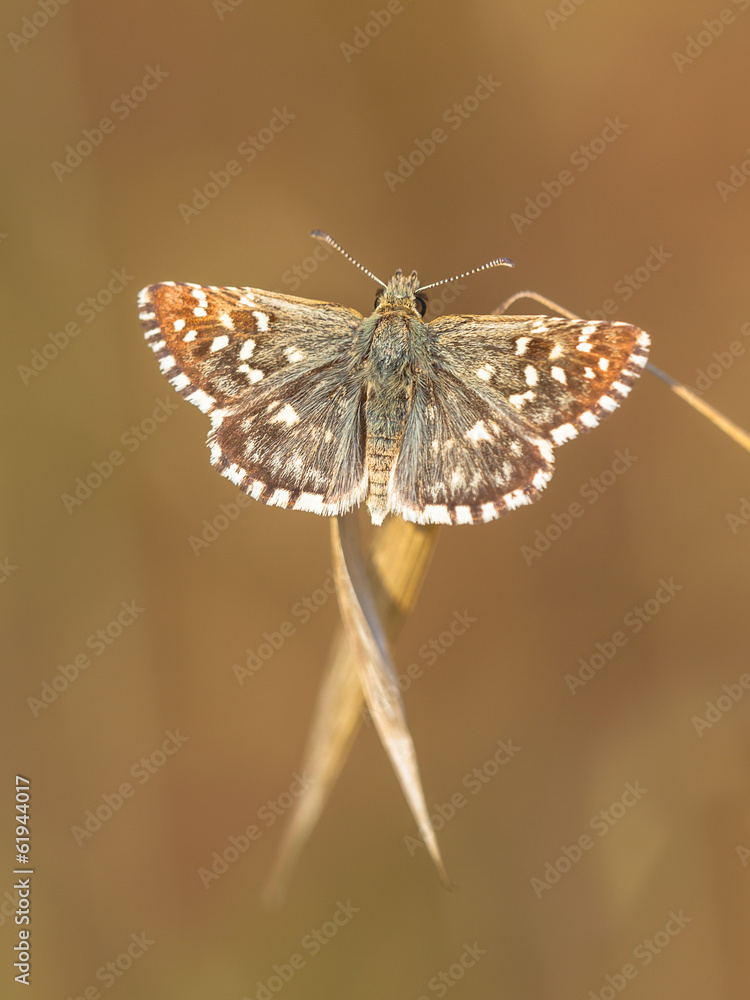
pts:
pixel 274 374
pixel 498 395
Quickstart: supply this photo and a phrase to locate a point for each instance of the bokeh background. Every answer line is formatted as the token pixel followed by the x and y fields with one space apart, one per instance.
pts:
pixel 220 74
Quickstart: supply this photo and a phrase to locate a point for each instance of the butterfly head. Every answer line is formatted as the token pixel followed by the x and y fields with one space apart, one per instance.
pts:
pixel 400 294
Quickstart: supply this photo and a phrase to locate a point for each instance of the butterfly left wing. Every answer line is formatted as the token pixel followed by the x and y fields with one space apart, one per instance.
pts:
pixel 273 373
pixel 502 393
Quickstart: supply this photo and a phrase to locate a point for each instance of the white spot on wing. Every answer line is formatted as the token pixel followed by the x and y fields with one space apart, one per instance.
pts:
pixel 485 372
pixel 608 403
pixel 247 349
pixel 521 344
pixel 559 374
pixel 179 324
pixel 563 433
pixel 219 343
pixel 588 419
pixel 254 374
pixel 261 319
pixel 478 433
pixel 287 414
pixel 518 399
pixel 515 499
pixel 545 450
pixel 604 364
pixel 190 335
pixel 436 513
pixel 556 352
pixel 463 515
pixel 488 511
pixel 280 498
pixel 202 400
pixel 293 354
pixel 199 311
pixel 226 321
pixel 234 474
pixel 532 376
pixel 180 381
pixel 166 363
pixel 312 502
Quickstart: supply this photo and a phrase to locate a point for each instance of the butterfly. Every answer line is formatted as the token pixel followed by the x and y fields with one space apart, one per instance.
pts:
pixel 318 408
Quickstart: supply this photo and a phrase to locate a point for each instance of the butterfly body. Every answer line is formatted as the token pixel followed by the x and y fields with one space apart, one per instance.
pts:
pixel 315 407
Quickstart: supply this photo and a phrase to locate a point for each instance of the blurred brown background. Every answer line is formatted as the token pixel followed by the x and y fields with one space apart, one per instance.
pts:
pixel 216 75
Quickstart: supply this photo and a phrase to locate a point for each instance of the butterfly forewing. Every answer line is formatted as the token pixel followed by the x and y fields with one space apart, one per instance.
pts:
pixel 273 372
pixel 557 375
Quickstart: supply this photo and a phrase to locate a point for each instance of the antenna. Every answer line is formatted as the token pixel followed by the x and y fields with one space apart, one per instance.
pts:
pixel 325 238
pixel 506 261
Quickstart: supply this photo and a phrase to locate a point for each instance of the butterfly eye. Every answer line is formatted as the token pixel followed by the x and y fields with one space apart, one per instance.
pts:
pixel 378 297
pixel 421 302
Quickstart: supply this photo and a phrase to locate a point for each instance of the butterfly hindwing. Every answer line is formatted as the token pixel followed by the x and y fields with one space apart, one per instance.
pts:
pixel 463 460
